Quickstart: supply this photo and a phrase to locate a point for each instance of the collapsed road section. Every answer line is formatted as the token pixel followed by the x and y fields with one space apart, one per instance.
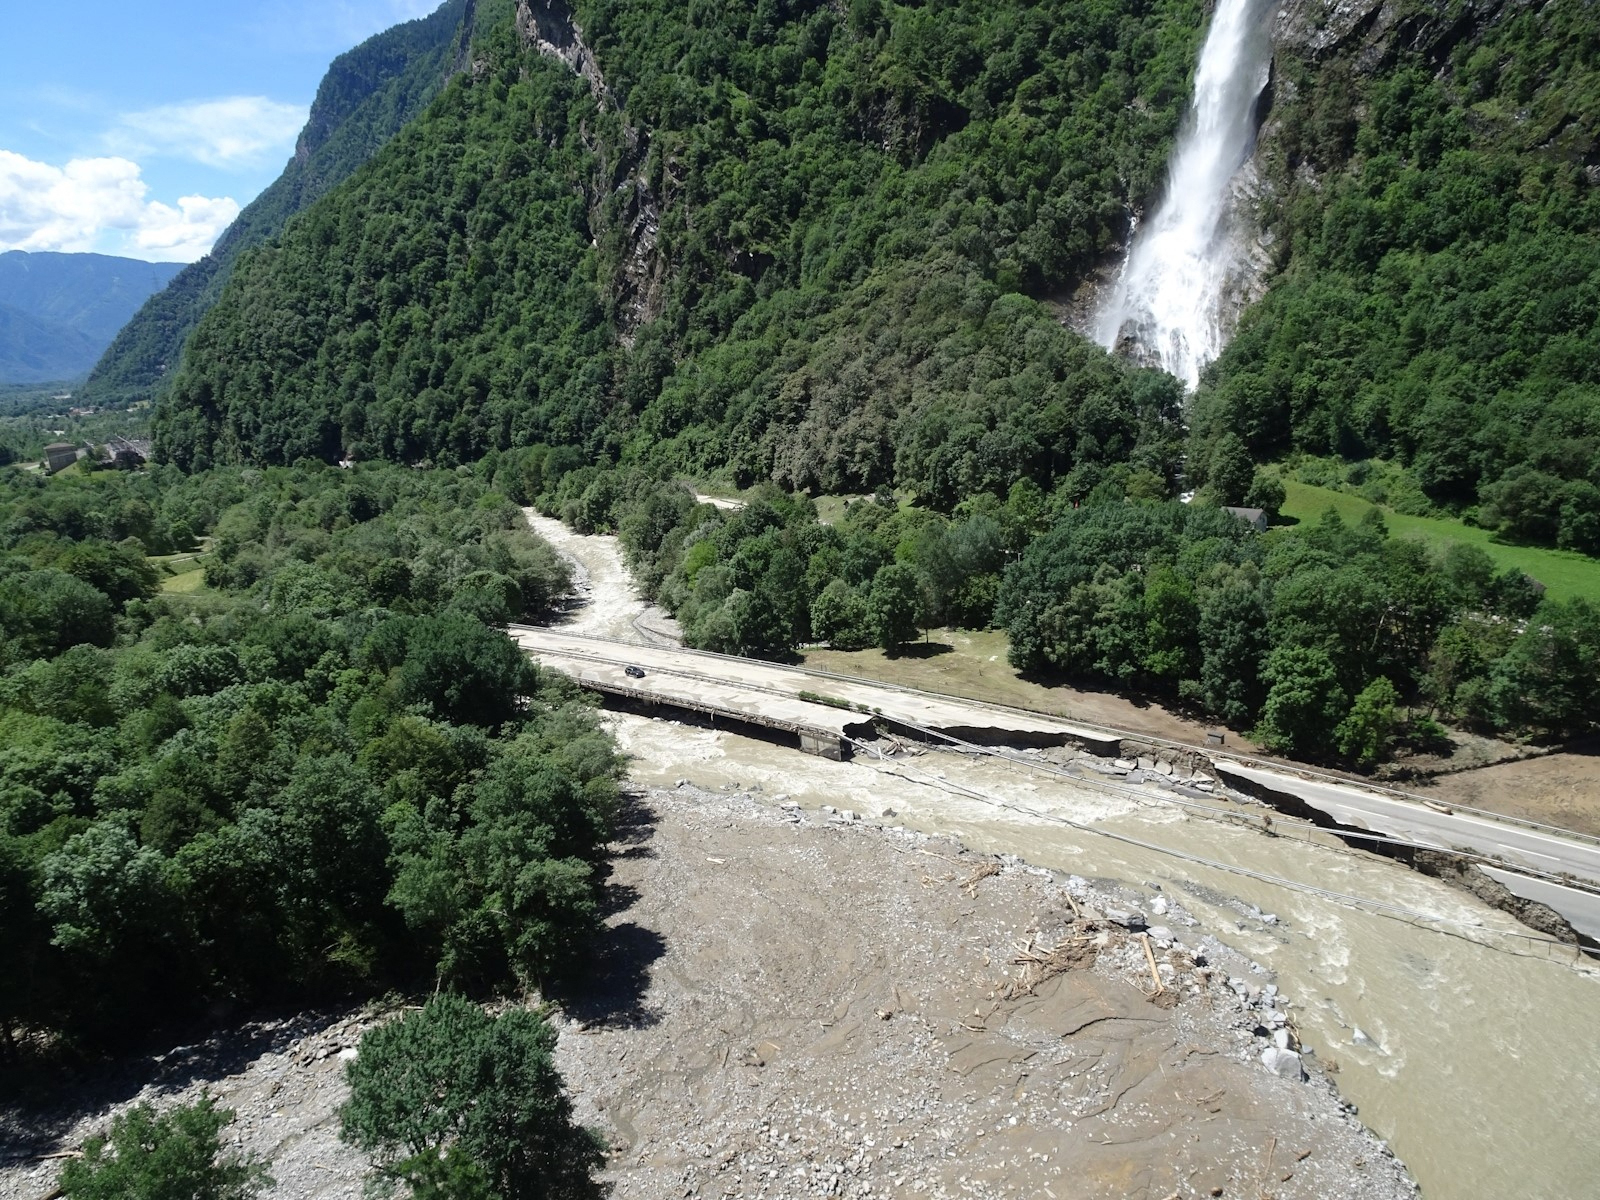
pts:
pixel 1544 866
pixel 827 714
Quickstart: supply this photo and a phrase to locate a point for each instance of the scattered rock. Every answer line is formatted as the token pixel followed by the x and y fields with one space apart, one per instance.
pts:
pixel 1283 1062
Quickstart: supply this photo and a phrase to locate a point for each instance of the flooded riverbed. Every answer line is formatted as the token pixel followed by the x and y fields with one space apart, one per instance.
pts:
pixel 1468 1043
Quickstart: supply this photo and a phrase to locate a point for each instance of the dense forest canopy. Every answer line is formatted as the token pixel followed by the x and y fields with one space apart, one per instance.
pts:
pixel 325 770
pixel 794 251
pixel 1331 642
pixel 809 243
pixel 813 245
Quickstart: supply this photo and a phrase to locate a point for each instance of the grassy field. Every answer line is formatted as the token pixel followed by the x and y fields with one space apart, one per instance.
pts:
pixel 180 572
pixel 188 581
pixel 972 663
pixel 1565 574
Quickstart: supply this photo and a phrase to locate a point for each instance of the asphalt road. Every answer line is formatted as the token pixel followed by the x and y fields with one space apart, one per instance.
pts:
pixel 1581 909
pixel 1416 822
pixel 742 685
pixel 750 686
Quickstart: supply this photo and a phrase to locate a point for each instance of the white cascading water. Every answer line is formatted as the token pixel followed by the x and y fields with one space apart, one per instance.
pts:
pixel 1170 297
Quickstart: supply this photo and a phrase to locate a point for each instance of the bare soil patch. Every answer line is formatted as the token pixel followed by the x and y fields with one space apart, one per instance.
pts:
pixel 972 664
pixel 1556 789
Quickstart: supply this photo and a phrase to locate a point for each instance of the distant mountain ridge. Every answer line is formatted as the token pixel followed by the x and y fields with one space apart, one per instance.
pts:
pixel 58 312
pixel 368 94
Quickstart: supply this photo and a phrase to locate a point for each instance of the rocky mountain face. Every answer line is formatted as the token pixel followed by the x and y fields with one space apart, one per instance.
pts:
pixel 368 95
pixel 627 207
pixel 58 312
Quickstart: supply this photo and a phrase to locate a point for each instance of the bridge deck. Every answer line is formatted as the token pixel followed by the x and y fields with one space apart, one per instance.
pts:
pixel 777 697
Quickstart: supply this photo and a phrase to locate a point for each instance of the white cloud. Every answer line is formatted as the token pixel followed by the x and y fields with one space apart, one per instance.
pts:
pixel 185 233
pixel 101 204
pixel 233 132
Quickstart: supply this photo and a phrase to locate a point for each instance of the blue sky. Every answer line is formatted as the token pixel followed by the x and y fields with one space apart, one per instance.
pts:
pixel 142 128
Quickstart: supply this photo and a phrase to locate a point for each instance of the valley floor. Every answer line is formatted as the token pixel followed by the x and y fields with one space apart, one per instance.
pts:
pixel 798 1006
pixel 837 1009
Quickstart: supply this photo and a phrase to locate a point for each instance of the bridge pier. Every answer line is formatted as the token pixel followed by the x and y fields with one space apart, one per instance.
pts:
pixel 823 745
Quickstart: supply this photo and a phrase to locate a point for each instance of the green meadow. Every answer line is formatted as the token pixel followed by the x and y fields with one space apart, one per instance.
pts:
pixel 1564 573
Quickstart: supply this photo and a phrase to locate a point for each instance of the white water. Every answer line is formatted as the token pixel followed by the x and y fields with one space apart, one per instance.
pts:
pixel 1170 297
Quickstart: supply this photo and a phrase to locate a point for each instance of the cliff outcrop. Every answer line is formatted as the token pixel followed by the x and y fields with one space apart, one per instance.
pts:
pixel 624 211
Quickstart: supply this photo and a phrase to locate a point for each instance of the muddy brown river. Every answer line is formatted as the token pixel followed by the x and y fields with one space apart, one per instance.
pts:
pixel 1468 1042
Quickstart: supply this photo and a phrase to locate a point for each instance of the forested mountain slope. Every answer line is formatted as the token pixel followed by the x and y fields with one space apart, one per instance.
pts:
pixel 1434 168
pixel 815 245
pixel 367 95
pixel 35 351
pixel 783 239
pixel 798 241
pixel 59 311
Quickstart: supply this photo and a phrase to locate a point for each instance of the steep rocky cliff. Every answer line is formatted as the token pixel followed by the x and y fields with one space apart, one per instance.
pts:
pixel 624 208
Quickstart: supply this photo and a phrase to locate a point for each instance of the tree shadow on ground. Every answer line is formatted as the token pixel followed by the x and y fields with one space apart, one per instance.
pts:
pixel 922 650
pixel 1047 677
pixel 48 1097
pixel 635 827
pixel 611 993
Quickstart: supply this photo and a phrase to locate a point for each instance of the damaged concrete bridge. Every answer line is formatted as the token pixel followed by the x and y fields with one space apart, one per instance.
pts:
pixel 825 715
pixel 822 713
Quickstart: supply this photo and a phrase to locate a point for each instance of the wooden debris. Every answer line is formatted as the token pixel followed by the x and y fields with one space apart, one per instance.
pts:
pixel 970 884
pixel 1040 963
pixel 1150 957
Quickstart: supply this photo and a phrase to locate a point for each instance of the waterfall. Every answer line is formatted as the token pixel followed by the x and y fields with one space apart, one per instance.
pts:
pixel 1169 300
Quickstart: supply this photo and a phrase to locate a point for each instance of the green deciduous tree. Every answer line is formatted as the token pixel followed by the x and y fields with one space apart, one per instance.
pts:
pixel 1549 680
pixel 839 617
pixel 894 606
pixel 1367 732
pixel 453 1100
pixel 174 1155
pixel 1304 702
pixel 1230 472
